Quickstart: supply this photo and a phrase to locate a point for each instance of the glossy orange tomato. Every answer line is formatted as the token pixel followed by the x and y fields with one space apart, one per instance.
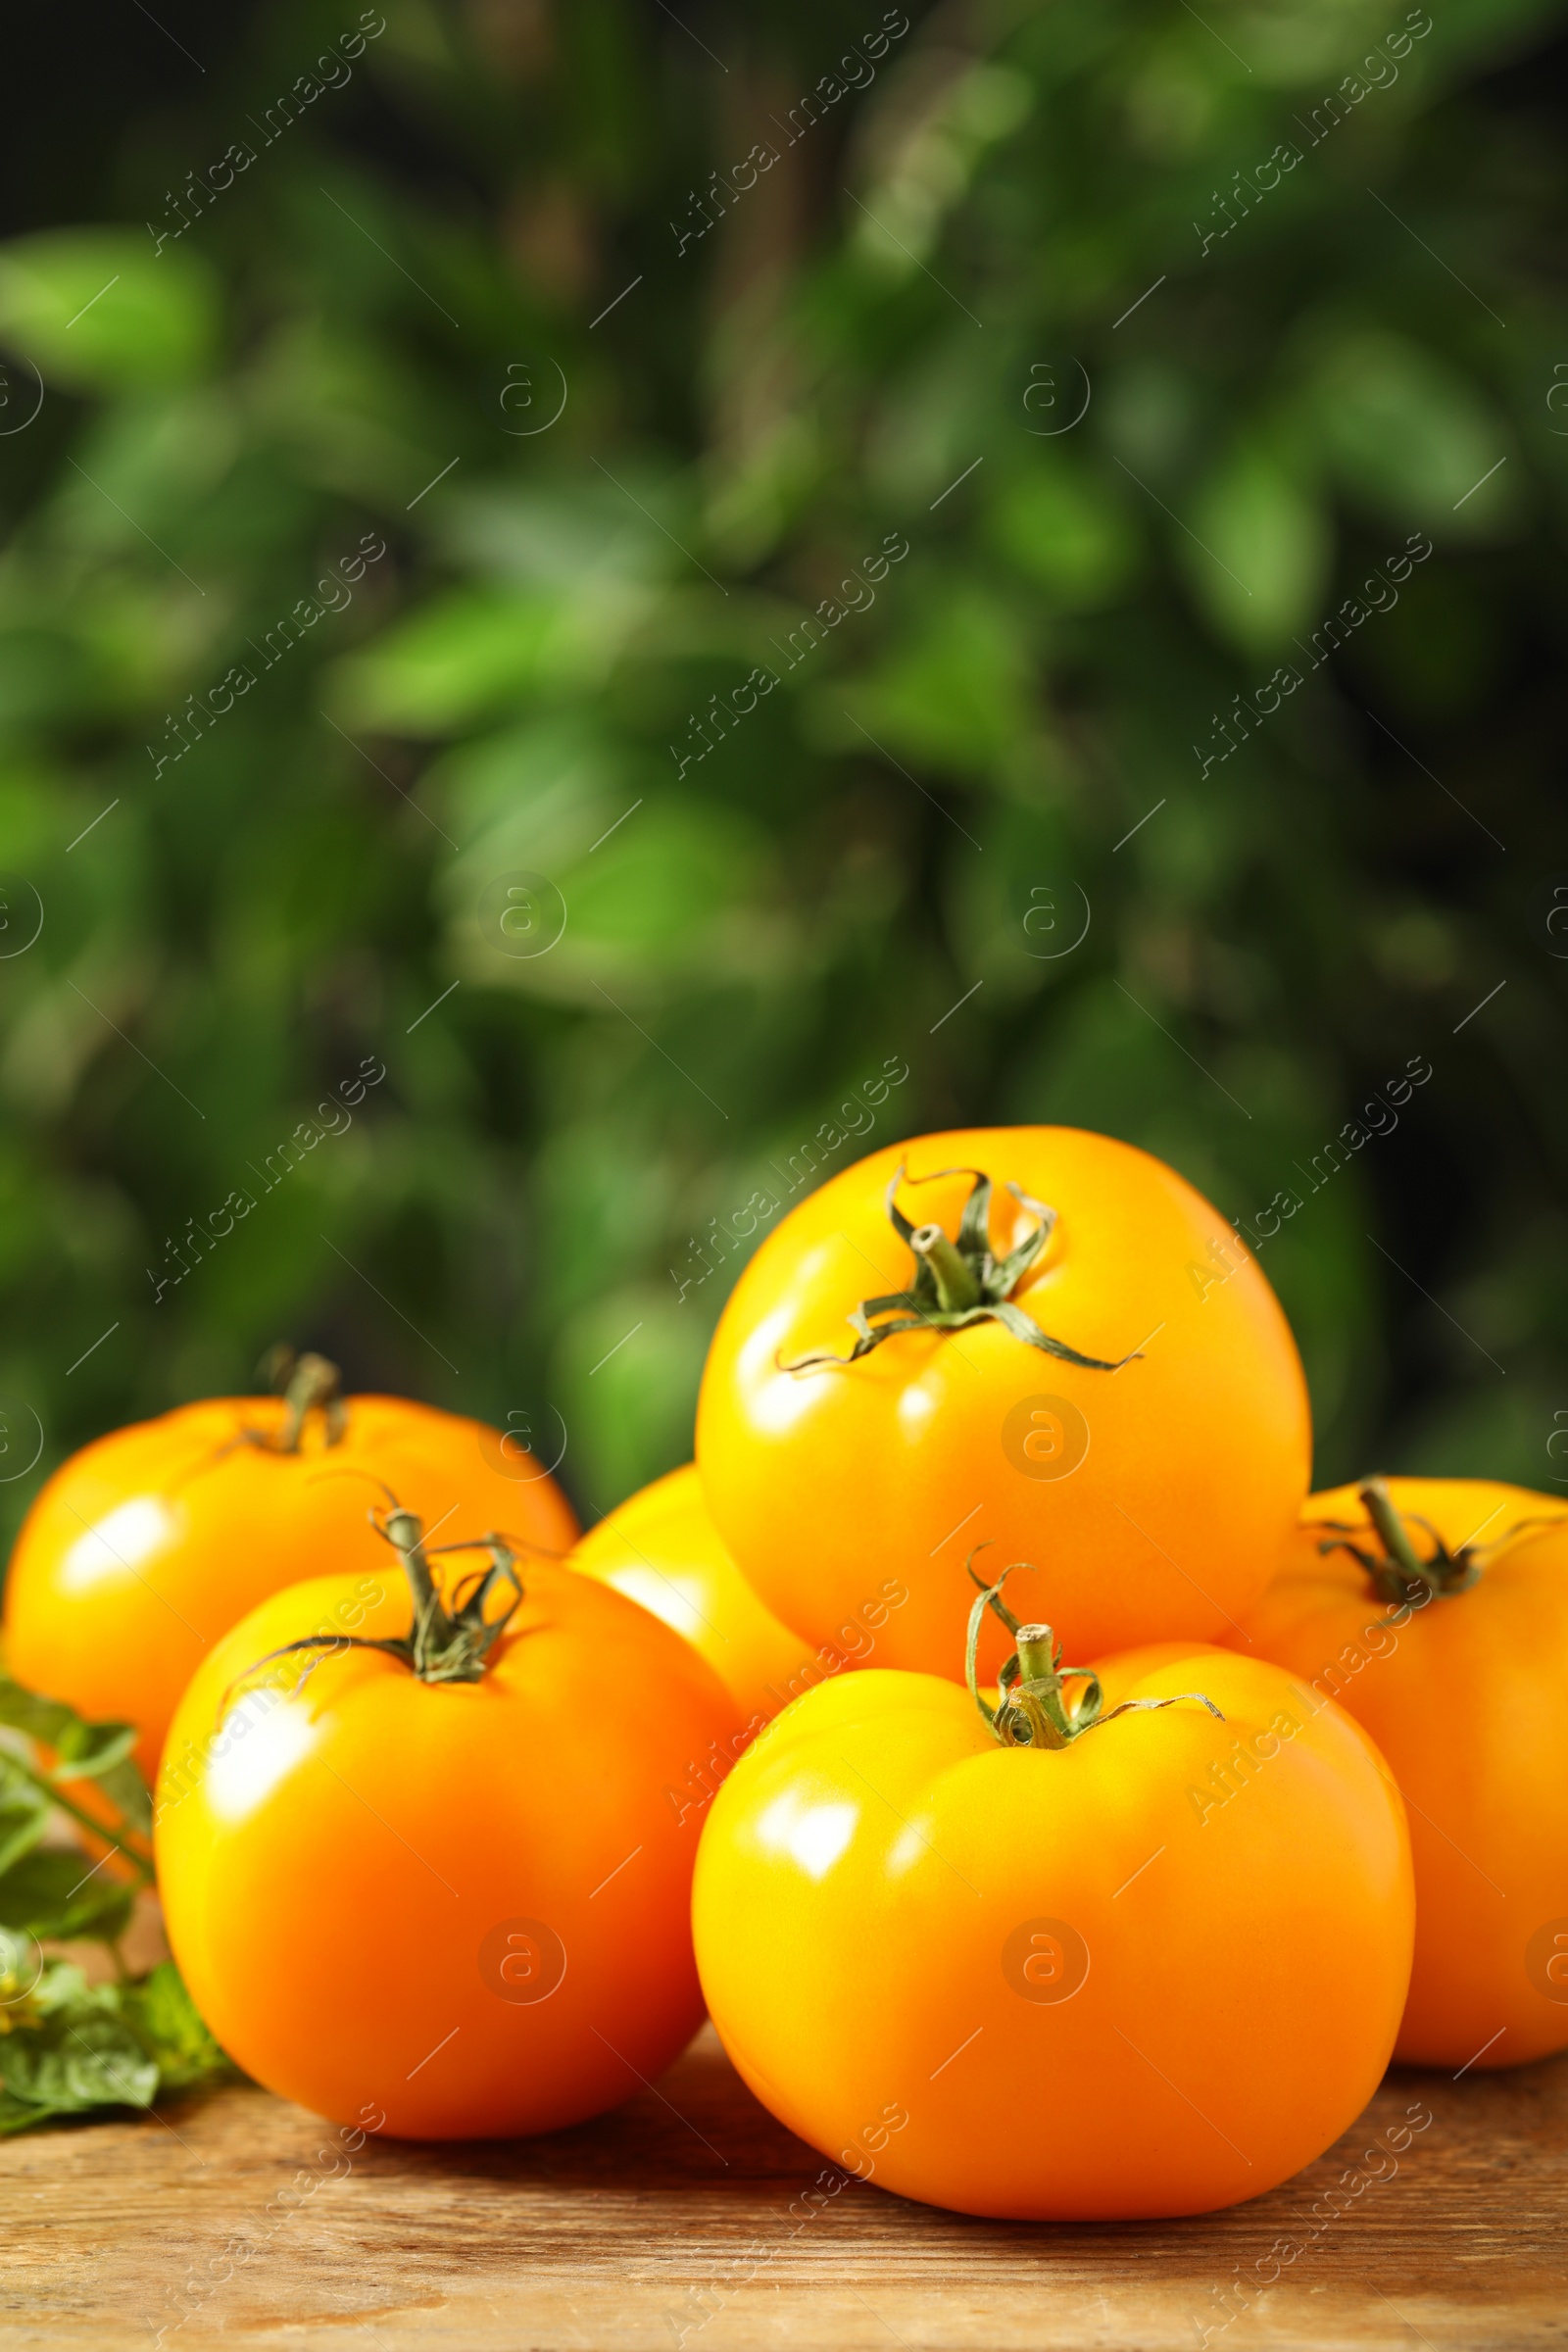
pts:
pixel 1463 1690
pixel 440 1908
pixel 1156 1486
pixel 662 1549
pixel 147 1546
pixel 1060 1984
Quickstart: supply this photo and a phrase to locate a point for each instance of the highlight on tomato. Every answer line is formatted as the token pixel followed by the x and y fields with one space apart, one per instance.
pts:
pixel 1435 1610
pixel 430 1870
pixel 1071 1355
pixel 1014 1961
pixel 142 1549
pixel 662 1549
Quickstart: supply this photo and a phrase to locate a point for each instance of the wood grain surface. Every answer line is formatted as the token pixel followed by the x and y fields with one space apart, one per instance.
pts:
pixel 680 2221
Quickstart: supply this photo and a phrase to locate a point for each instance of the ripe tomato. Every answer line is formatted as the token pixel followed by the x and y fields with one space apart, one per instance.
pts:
pixel 662 1548
pixel 1447 1639
pixel 1126 1406
pixel 1043 1983
pixel 458 1897
pixel 148 1545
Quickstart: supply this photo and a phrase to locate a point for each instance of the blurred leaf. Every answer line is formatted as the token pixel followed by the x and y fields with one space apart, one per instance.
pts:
pixel 69 2049
pixel 1260 571
pixel 45 676
pixel 666 894
pixel 546 537
pixel 24 1817
pixel 627 1373
pixel 165 2018
pixel 1019 916
pixel 155 463
pixel 1410 437
pixel 54 1894
pixel 475 652
pixel 954 692
pixel 99 311
pixel 82 1750
pixel 1067 530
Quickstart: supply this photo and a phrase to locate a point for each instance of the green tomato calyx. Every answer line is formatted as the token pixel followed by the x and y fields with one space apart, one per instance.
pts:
pixel 957 1281
pixel 1036 1708
pixel 451 1641
pixel 1399 1573
pixel 452 1636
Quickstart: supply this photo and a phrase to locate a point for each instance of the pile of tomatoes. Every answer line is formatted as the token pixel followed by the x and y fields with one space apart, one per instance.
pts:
pixel 1060 1811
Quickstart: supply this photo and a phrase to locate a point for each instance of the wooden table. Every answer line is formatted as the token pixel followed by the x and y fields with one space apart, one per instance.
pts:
pixel 670 2224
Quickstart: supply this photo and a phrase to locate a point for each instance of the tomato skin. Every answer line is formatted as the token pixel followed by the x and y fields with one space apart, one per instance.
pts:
pixel 142 1549
pixel 662 1549
pixel 885 1907
pixel 1464 1697
pixel 338 1884
pixel 1198 1451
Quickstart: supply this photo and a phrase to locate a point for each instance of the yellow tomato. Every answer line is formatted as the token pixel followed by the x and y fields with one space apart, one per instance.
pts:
pixel 428 1868
pixel 1073 1360
pixel 146 1546
pixel 662 1548
pixel 1060 1984
pixel 1457 1670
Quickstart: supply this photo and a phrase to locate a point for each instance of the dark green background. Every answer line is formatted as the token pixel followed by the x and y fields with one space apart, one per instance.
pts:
pixel 917 290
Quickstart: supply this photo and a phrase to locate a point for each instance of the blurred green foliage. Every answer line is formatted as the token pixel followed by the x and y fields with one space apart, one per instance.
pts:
pixel 465 301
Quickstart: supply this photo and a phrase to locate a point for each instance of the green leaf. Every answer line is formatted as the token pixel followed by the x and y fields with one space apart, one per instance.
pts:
pixel 96 310
pixel 23 1710
pixel 47 676
pixel 1261 570
pixel 88 1750
pixel 639 1407
pixel 955 691
pixel 55 1896
pixel 474 651
pixel 1067 530
pixel 21 2115
pixel 79 2060
pixel 1412 438
pixel 60 1727
pixel 72 2050
pixel 162 2011
pixel 24 1812
pixel 99 1752
pixel 126 1788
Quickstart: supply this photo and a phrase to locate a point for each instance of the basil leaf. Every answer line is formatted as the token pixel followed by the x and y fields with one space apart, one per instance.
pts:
pixel 162 2011
pixel 69 2049
pixel 24 1812
pixel 23 1710
pixel 56 1895
pixel 69 2066
pixel 21 2115
pixel 87 1750
pixel 121 1783
pixel 83 1751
